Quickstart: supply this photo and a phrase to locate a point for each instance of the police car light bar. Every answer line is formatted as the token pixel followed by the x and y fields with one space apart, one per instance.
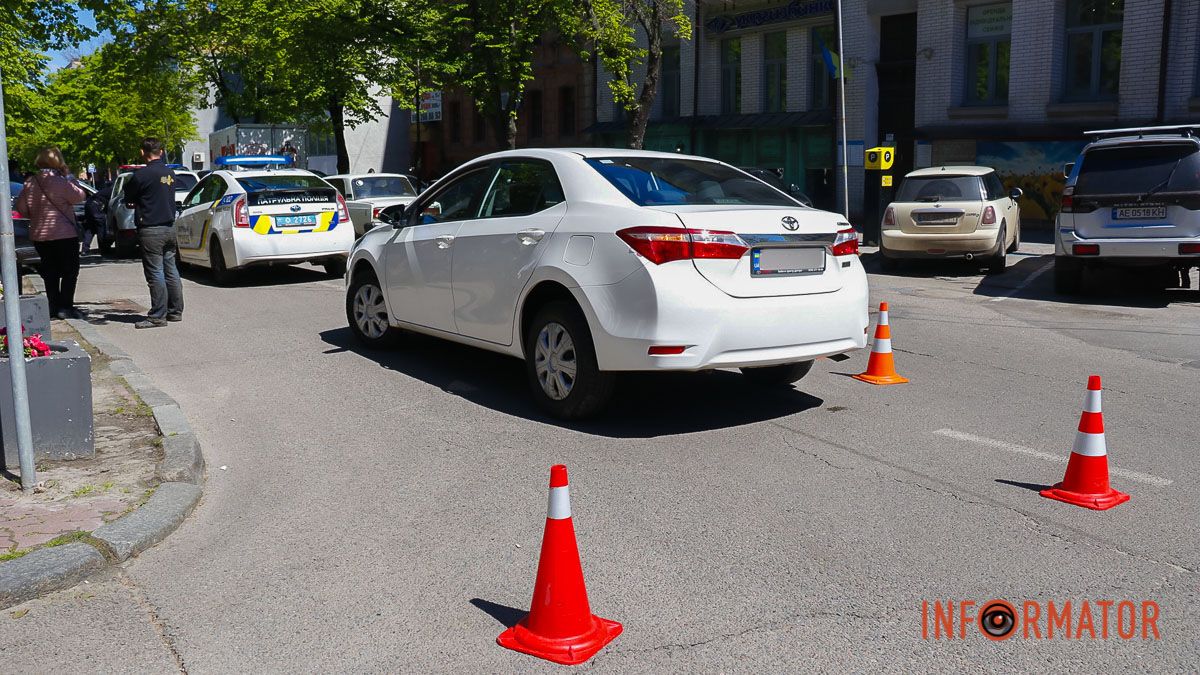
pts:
pixel 253 160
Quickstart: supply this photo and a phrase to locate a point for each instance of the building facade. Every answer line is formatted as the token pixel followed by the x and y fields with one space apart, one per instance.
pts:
pixel 1006 83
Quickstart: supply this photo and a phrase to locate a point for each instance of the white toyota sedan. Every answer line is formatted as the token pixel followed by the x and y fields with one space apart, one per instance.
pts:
pixel 234 219
pixel 589 262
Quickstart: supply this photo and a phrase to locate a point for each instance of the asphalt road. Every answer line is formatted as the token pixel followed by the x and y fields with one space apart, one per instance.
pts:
pixel 383 511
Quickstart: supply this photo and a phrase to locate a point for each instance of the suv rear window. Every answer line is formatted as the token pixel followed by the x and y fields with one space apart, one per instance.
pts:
pixel 940 189
pixel 286 189
pixel 657 181
pixel 1138 169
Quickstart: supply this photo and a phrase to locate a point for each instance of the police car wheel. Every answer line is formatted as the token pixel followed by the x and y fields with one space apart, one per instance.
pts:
pixel 336 268
pixel 367 314
pixel 216 264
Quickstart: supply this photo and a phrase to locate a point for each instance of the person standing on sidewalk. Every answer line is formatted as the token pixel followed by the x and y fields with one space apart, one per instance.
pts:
pixel 150 192
pixel 48 199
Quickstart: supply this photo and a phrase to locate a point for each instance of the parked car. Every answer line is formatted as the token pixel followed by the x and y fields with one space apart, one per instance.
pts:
pixel 234 219
pixel 184 182
pixel 368 194
pixel 952 212
pixel 772 178
pixel 27 255
pixel 586 263
pixel 1132 199
pixel 120 228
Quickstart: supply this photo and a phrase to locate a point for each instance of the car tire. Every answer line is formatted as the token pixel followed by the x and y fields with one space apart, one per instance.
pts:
pixel 1016 241
pixel 776 376
pixel 103 243
pixel 221 275
pixel 335 268
pixel 1068 276
pixel 999 260
pixel 888 264
pixel 366 313
pixel 559 335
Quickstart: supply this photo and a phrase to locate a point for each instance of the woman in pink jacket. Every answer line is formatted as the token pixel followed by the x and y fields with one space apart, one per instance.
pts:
pixel 48 199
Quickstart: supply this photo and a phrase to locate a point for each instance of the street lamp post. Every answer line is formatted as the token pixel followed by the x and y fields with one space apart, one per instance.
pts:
pixel 12 317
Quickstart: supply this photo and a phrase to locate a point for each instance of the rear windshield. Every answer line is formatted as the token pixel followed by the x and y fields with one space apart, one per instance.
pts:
pixel 184 181
pixel 940 189
pixel 655 181
pixel 287 189
pixel 367 187
pixel 1138 169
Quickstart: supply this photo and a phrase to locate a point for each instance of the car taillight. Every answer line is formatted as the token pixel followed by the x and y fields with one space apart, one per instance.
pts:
pixel 1067 205
pixel 1086 249
pixel 889 217
pixel 241 213
pixel 666 244
pixel 1189 249
pixel 989 216
pixel 846 242
pixel 16 214
pixel 343 214
pixel 375 212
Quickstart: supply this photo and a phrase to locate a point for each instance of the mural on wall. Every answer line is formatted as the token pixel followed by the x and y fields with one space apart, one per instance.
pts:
pixel 1033 166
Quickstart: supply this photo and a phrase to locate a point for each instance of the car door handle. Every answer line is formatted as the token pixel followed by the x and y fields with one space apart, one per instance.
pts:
pixel 531 236
pixel 445 241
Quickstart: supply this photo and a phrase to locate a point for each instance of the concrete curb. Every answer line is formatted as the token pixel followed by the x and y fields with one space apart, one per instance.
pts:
pixel 181 473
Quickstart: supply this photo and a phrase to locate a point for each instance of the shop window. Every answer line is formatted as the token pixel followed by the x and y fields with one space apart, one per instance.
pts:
pixel 1093 49
pixel 989 40
pixel 731 75
pixel 823 38
pixel 566 111
pixel 669 82
pixel 775 72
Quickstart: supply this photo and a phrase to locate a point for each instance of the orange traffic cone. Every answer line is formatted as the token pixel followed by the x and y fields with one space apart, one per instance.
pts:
pixel 881 368
pixel 560 626
pixel 1086 481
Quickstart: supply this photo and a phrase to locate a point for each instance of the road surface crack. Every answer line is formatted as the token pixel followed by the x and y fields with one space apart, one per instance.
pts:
pixel 153 616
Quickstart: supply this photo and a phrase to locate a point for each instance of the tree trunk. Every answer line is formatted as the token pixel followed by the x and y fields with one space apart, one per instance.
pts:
pixel 337 118
pixel 645 102
pixel 504 125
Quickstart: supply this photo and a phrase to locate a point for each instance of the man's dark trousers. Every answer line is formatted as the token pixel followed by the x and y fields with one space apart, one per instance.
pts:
pixel 160 256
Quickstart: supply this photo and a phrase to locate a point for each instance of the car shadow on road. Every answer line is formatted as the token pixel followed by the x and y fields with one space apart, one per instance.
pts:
pixel 508 616
pixel 645 405
pixel 257 277
pixel 1111 286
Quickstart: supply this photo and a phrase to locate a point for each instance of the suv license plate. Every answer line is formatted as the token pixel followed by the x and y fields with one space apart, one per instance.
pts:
pixel 780 262
pixel 1139 213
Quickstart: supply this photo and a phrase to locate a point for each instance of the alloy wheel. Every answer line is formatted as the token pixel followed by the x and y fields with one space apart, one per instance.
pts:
pixel 370 313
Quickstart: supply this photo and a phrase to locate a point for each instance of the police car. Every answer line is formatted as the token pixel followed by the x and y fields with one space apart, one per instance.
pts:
pixel 250 211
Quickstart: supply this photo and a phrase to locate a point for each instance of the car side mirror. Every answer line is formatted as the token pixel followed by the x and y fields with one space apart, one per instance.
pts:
pixel 1068 168
pixel 1015 193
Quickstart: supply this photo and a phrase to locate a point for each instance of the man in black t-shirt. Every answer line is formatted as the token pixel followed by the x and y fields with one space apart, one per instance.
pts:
pixel 150 192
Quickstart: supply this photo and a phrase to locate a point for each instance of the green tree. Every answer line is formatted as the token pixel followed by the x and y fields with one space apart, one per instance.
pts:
pixel 610 28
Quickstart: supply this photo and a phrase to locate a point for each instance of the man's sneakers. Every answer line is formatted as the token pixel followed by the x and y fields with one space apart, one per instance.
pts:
pixel 150 323
pixel 174 317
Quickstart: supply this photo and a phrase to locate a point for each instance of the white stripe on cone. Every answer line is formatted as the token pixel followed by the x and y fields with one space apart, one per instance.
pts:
pixel 882 346
pixel 559 507
pixel 1091 445
pixel 1091 403
pixel 883 320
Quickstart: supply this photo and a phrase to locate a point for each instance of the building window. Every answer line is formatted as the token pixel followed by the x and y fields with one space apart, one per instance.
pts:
pixel 478 127
pixel 566 111
pixel 455 115
pixel 775 72
pixel 989 36
pixel 669 86
pixel 731 75
pixel 823 39
pixel 535 113
pixel 1093 60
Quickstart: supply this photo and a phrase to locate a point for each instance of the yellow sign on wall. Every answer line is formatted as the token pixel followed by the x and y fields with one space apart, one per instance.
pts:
pixel 880 159
pixel 885 180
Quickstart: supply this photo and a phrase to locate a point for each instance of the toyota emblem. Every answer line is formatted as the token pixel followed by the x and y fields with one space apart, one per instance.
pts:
pixel 296 208
pixel 790 223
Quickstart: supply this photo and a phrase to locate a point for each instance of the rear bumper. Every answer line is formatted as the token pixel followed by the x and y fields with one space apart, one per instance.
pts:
pixel 900 244
pixel 1149 249
pixel 674 305
pixel 251 248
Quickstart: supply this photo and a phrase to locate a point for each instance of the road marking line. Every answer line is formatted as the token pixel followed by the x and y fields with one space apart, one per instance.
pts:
pixel 1021 286
pixel 1020 449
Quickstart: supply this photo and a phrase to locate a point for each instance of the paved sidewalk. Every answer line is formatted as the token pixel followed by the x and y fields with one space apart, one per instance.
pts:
pixel 81 495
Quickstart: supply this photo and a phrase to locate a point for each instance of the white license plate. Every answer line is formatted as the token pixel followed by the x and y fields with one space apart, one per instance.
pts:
pixel 1139 213
pixel 293 221
pixel 787 261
